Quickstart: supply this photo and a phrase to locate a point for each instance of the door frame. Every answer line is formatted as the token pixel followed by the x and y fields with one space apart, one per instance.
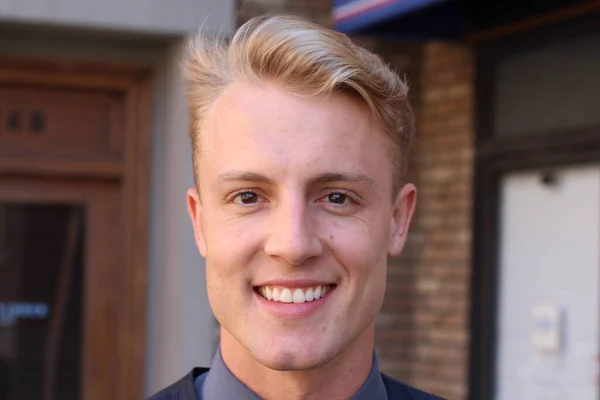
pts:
pixel 496 157
pixel 134 83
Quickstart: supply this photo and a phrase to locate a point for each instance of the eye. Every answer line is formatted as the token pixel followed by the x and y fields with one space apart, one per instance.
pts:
pixel 246 198
pixel 338 198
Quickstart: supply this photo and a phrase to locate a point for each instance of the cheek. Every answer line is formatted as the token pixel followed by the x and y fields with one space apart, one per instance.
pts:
pixel 359 244
pixel 230 249
pixel 361 250
pixel 229 244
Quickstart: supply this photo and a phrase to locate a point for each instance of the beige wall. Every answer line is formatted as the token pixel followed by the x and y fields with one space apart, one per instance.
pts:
pixel 152 16
pixel 181 327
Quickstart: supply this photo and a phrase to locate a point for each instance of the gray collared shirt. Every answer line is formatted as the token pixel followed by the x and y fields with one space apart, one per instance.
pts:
pixel 219 383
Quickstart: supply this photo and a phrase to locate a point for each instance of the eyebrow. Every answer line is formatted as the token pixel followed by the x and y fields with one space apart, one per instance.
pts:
pixel 354 177
pixel 239 176
pixel 327 177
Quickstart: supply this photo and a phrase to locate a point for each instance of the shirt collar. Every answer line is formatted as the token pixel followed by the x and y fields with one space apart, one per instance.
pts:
pixel 220 383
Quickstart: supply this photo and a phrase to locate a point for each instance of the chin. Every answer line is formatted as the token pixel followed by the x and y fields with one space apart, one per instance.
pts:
pixel 299 357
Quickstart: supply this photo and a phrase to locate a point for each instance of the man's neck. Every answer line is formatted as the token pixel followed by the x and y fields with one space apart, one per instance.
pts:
pixel 338 379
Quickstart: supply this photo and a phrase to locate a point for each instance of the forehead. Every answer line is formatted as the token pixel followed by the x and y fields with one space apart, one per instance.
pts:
pixel 267 127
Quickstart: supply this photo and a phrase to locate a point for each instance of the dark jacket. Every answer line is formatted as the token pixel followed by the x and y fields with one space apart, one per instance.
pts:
pixel 185 389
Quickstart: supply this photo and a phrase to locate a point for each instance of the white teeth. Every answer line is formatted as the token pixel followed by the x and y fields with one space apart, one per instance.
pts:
pixel 318 293
pixel 297 295
pixel 286 296
pixel 309 295
pixel 276 296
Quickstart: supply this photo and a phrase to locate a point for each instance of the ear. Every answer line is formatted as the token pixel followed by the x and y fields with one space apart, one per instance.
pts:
pixel 403 210
pixel 195 210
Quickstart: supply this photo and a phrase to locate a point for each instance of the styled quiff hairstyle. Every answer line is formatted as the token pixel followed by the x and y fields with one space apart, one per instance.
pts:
pixel 305 59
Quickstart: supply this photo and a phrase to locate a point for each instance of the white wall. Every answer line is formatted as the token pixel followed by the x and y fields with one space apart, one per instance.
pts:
pixel 549 253
pixel 157 16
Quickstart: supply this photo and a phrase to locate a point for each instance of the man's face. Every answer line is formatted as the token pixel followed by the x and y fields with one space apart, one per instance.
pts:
pixel 295 202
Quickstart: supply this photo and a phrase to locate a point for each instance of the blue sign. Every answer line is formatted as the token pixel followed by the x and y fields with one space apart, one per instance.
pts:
pixel 408 18
pixel 13 311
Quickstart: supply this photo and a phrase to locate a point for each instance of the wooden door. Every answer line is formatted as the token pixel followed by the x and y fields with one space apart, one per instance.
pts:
pixel 74 162
pixel 59 283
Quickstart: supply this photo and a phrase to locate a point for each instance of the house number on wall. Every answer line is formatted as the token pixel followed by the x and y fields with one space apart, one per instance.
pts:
pixel 20 121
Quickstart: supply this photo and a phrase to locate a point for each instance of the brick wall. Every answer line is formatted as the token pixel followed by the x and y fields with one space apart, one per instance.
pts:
pixel 422 334
pixel 422 331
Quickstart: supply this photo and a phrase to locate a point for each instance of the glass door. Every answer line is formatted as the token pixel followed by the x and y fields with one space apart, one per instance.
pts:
pixel 58 316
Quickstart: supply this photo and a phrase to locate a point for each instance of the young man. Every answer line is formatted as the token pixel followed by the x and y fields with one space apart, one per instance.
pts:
pixel 300 141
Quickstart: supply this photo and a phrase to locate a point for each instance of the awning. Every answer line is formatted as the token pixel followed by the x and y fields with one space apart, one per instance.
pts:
pixel 407 18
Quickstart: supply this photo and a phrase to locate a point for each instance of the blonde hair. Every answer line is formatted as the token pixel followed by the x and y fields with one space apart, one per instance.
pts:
pixel 305 58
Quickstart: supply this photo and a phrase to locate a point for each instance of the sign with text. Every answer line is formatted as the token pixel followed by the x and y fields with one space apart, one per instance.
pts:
pixel 13 311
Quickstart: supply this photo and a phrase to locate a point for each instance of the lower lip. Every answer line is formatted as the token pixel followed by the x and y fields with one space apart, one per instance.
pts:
pixel 294 310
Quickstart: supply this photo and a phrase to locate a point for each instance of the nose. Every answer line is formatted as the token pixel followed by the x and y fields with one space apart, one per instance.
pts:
pixel 292 235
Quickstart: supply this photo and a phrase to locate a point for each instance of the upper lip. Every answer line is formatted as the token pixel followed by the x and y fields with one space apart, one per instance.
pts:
pixel 294 283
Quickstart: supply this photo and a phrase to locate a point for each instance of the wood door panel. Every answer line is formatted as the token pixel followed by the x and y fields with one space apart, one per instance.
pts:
pixel 60 124
pixel 79 133
pixel 103 294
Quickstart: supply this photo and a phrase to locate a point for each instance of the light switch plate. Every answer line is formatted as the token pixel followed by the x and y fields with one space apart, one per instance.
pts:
pixel 547 328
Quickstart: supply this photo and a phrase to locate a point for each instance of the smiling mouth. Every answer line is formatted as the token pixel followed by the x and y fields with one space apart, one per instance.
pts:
pixel 280 294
